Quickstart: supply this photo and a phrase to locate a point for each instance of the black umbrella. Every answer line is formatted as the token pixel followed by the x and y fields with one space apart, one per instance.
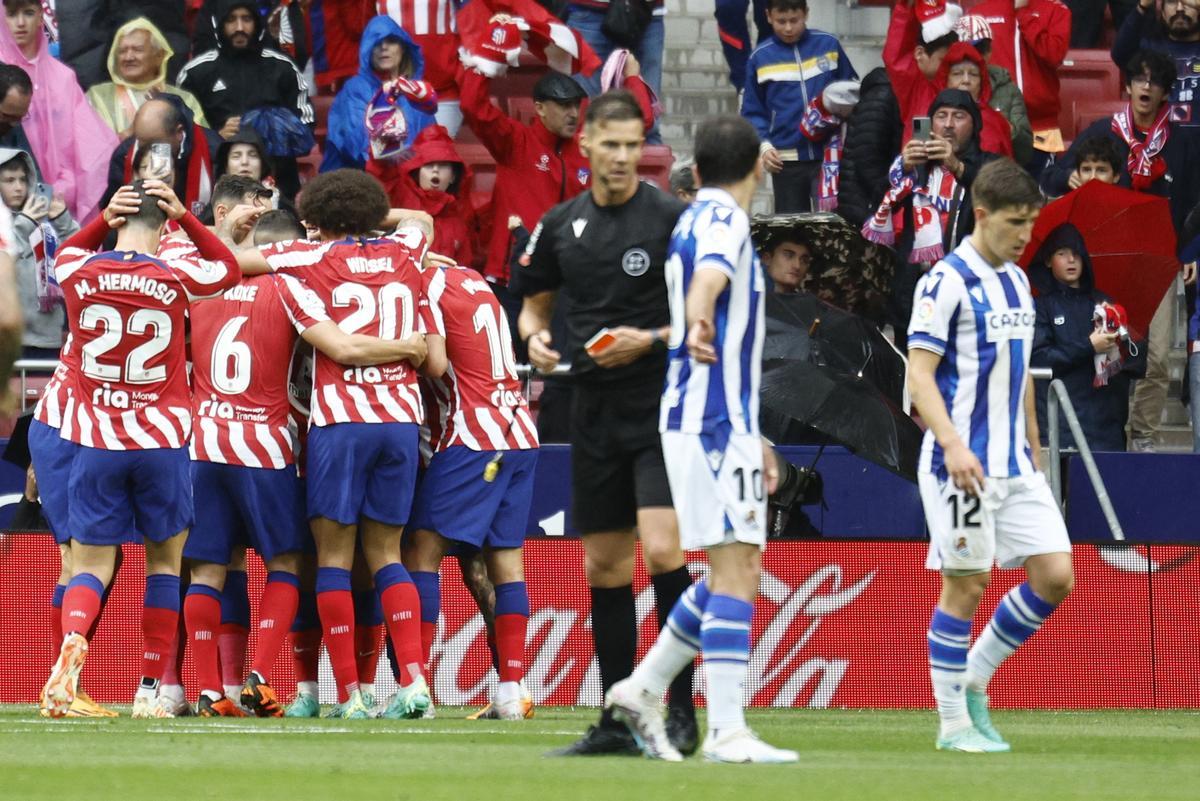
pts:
pixel 847 270
pixel 844 407
pixel 803 327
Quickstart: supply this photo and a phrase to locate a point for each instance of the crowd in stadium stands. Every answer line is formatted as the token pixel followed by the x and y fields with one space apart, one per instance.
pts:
pixel 472 112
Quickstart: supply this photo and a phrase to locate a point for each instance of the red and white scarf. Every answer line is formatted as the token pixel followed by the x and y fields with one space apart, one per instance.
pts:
pixel 819 125
pixel 44 244
pixel 1143 164
pixel 930 202
pixel 199 172
pixel 548 38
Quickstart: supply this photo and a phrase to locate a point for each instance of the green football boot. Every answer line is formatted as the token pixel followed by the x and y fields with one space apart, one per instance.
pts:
pixel 977 708
pixel 409 702
pixel 970 741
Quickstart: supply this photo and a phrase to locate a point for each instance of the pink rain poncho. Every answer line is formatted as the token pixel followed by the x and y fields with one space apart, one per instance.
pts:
pixel 71 144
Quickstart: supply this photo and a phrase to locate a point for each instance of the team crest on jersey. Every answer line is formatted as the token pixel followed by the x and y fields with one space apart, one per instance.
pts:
pixel 198 207
pixel 577 226
pixel 583 173
pixel 635 262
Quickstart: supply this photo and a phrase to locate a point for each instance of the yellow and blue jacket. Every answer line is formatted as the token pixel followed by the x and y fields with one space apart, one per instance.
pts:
pixel 782 79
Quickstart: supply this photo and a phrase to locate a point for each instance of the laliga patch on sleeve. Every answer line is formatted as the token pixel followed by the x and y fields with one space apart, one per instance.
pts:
pixel 717 235
pixel 925 310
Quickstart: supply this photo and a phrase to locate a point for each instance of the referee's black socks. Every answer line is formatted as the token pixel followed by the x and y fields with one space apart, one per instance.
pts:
pixel 614 632
pixel 668 587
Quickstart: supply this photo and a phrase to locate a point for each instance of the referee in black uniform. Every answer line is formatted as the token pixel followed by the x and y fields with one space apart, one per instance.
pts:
pixel 604 250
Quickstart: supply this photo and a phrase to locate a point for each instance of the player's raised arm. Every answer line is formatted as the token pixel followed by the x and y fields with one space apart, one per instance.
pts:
pixel 963 465
pixel 253 261
pixel 215 269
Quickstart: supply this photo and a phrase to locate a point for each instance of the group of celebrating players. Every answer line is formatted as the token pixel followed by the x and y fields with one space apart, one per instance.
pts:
pixel 420 340
pixel 175 418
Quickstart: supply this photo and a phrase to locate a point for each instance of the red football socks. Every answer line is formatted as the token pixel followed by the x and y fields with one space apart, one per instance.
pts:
pixel 510 645
pixel 336 608
pixel 277 610
pixel 202 617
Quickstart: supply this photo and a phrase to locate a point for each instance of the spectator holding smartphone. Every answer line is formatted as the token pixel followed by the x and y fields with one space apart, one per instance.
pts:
pixel 40 221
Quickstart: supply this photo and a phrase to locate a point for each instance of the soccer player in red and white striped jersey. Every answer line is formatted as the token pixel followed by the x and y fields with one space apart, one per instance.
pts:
pixel 245 483
pixel 362 442
pixel 129 408
pixel 478 486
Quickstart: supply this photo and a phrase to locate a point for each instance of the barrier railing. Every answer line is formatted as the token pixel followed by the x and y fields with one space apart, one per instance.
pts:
pixel 1058 400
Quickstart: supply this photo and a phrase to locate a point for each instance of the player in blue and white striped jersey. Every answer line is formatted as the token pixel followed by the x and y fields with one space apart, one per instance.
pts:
pixel 986 500
pixel 718 466
pixel 700 398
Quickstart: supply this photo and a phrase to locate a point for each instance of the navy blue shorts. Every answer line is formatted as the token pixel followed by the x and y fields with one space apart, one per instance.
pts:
pixel 252 506
pixel 362 470
pixel 455 501
pixel 115 494
pixel 52 459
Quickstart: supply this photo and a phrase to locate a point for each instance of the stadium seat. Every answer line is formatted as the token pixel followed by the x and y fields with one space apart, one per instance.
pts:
pixel 309 165
pixel 521 109
pixel 656 165
pixel 1085 112
pixel 321 105
pixel 484 168
pixel 1085 75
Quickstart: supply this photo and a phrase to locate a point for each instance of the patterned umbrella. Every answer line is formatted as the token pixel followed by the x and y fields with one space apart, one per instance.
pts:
pixel 847 270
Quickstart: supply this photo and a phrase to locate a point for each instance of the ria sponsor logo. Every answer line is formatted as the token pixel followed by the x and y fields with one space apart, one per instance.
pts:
pixel 506 398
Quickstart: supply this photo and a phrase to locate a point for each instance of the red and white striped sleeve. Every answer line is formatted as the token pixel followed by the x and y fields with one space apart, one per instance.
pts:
pixel 429 308
pixel 211 269
pixel 412 238
pixel 296 255
pixel 302 305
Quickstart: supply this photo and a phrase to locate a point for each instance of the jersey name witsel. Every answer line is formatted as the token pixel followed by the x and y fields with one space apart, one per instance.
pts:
pixel 714 233
pixel 980 320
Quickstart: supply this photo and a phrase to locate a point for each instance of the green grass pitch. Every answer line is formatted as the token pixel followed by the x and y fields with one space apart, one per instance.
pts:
pixel 844 755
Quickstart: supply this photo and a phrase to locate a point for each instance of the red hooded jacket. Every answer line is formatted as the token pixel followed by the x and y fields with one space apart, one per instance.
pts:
pixel 996 136
pixel 450 207
pixel 535 169
pixel 914 92
pixel 1031 44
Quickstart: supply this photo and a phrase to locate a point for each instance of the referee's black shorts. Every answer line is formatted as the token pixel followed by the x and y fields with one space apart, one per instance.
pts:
pixel 616 455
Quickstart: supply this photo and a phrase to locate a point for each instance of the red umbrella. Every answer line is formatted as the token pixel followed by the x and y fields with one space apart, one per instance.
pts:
pixel 1130 239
